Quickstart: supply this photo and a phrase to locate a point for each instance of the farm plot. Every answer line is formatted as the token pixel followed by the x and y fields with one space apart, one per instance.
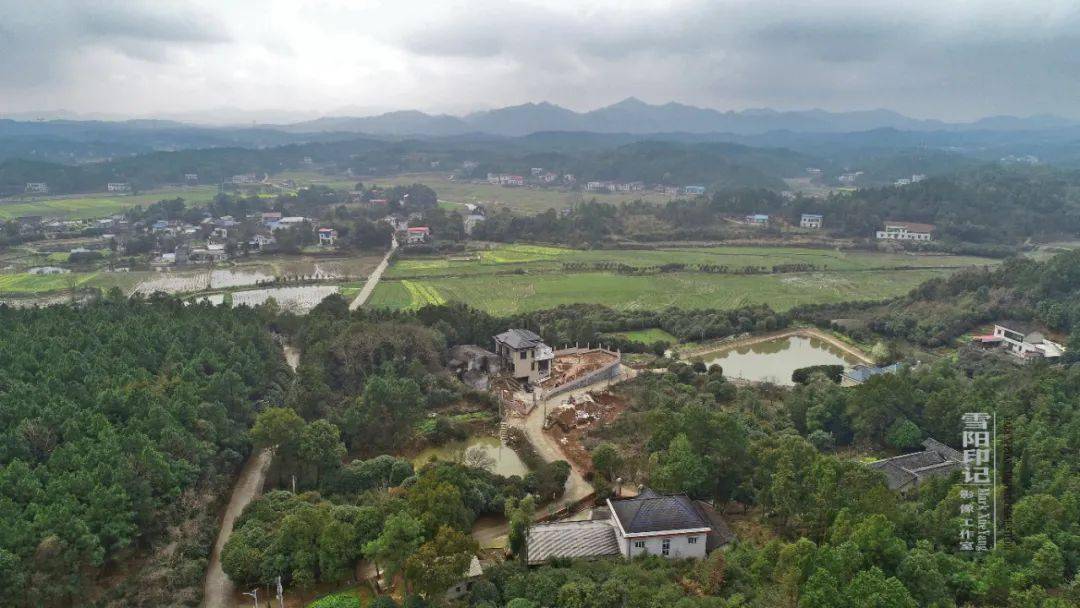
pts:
pixel 300 299
pixel 527 200
pixel 532 259
pixel 93 206
pixel 511 293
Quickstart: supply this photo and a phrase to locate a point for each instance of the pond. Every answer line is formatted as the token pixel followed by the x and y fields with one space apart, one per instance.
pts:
pixel 506 460
pixel 775 360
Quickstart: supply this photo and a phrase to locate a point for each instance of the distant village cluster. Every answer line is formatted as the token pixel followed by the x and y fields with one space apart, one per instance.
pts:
pixel 538 176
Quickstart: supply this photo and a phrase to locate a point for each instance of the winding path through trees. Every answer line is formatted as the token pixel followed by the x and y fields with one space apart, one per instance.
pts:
pixel 218 590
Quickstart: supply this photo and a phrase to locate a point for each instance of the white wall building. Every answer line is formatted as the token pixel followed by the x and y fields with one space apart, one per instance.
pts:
pixel 906 231
pixel 810 220
pixel 1026 342
pixel 672 526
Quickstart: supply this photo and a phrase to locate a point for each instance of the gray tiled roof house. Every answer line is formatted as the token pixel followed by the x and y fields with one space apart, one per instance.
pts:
pixel 909 470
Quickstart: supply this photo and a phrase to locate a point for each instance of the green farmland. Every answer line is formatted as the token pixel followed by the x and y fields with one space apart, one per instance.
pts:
pixel 523 200
pixel 537 258
pixel 95 206
pixel 647 336
pixel 24 284
pixel 517 278
pixel 509 294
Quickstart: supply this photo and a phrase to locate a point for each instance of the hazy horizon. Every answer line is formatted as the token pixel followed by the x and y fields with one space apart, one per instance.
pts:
pixel 924 60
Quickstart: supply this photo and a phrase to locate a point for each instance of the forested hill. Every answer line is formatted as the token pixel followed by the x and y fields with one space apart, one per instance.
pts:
pixel 941 310
pixel 990 204
pixel 121 422
pixel 719 164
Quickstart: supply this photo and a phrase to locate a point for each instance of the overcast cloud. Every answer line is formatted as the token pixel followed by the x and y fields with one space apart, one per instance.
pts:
pixel 951 60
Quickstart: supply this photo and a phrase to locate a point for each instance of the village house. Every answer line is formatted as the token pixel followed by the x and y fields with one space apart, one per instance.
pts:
pixel 810 220
pixel 327 237
pixel 905 472
pixel 860 373
pixel 850 178
pixel 694 190
pixel 668 525
pixel 271 217
pixel 471 221
pixel 906 231
pixel 524 355
pixel 757 219
pixel 118 187
pixel 417 235
pixel 1022 339
pixel 502 179
pixel 465 585
pixel 396 222
pixel 289 221
pixel 259 242
pixel 37 188
pixel 245 178
pixel 191 177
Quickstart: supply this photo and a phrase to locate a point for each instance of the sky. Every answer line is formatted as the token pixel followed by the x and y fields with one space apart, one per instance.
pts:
pixel 953 60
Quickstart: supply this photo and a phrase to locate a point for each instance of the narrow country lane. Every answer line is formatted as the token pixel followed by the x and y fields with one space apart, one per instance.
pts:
pixel 218 590
pixel 373 278
pixel 550 450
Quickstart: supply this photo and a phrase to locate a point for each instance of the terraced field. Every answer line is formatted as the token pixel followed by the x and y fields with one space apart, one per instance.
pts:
pixel 517 278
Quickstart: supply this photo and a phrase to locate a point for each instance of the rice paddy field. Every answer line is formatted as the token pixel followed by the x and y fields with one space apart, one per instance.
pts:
pixel 95 206
pixel 518 278
pixel 524 200
pixel 24 284
pixel 539 258
pixel 229 277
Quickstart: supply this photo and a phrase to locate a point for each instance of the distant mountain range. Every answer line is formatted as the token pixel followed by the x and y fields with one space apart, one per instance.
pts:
pixel 637 117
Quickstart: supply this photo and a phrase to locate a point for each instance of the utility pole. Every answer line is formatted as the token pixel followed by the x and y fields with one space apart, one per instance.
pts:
pixel 280 594
pixel 253 594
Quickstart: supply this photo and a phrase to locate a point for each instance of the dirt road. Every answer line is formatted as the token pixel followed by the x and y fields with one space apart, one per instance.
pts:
pixel 218 590
pixel 548 447
pixel 373 278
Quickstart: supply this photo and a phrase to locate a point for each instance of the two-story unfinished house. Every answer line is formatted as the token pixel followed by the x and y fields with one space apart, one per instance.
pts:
pixel 1025 340
pixel 524 355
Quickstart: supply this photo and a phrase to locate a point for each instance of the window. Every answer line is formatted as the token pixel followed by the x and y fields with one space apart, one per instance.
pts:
pixel 522 354
pixel 665 547
pixel 692 540
pixel 639 544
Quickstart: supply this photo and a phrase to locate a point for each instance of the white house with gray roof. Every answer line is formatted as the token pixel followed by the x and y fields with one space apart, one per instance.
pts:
pixel 670 525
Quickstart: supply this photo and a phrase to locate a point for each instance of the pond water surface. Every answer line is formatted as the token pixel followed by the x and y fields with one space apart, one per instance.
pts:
pixel 775 360
pixel 506 459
